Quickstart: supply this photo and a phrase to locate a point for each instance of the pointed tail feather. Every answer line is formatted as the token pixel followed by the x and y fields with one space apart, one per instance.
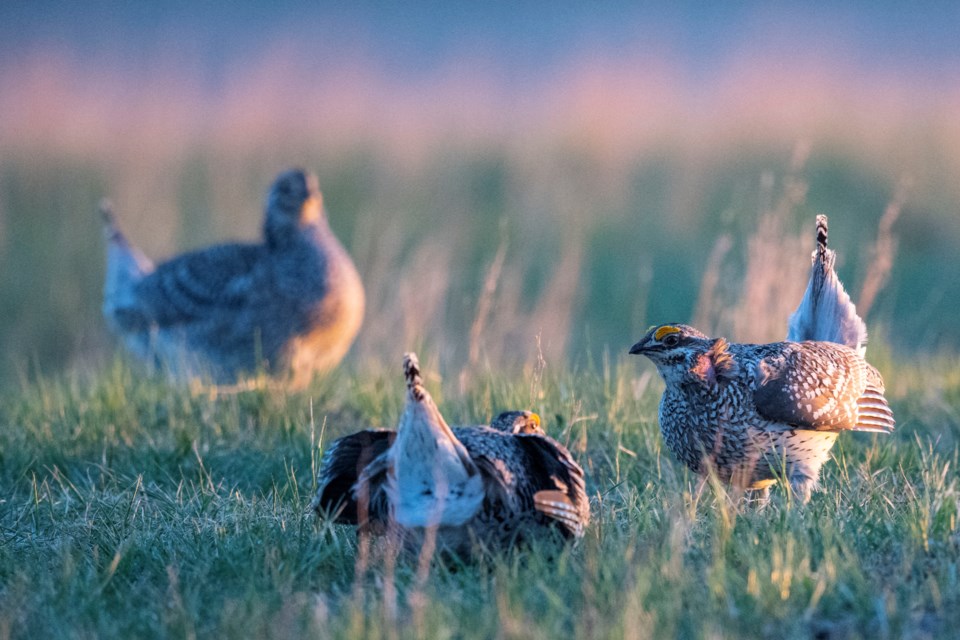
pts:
pixel 418 395
pixel 826 312
pixel 411 371
pixel 822 256
pixel 124 254
pixel 111 230
pixel 126 266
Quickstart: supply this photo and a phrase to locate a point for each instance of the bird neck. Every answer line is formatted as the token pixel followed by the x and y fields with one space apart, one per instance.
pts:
pixel 675 368
pixel 282 232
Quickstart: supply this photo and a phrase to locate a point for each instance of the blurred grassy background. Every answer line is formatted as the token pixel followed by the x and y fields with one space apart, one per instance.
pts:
pixel 524 186
pixel 603 178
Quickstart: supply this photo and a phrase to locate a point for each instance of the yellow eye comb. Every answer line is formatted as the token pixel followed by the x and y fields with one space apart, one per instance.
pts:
pixel 665 331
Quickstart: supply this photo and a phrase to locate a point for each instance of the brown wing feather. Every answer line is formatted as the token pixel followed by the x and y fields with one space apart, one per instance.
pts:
pixel 821 386
pixel 527 474
pixel 555 474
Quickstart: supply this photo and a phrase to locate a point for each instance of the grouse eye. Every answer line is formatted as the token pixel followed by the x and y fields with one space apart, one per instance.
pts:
pixel 671 340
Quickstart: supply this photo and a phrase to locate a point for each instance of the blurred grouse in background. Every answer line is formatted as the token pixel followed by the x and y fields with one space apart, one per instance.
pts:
pixel 292 303
pixel 755 412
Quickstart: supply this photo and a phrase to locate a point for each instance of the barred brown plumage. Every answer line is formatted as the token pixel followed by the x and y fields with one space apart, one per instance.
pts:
pixel 292 302
pixel 474 485
pixel 749 411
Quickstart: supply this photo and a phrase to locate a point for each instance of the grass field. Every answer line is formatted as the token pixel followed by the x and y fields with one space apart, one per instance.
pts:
pixel 520 240
pixel 133 509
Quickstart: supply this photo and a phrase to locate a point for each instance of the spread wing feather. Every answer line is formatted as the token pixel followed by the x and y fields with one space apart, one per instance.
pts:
pixel 559 490
pixel 523 474
pixel 821 386
pixel 342 465
pixel 520 467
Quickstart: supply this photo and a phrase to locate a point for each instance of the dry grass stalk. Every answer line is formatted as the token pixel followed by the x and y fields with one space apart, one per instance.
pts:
pixel 485 303
pixel 553 315
pixel 423 289
pixel 710 303
pixel 884 250
pixel 776 266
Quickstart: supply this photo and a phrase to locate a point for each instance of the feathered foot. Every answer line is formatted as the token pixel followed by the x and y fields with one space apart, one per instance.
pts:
pixel 802 487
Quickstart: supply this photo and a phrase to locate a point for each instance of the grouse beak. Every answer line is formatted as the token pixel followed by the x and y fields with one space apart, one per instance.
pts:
pixel 639 348
pixel 312 209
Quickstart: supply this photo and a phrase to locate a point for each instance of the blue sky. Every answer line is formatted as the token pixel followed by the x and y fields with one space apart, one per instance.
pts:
pixel 916 42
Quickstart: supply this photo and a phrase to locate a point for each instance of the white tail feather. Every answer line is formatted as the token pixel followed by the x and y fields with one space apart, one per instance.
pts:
pixel 126 266
pixel 826 312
